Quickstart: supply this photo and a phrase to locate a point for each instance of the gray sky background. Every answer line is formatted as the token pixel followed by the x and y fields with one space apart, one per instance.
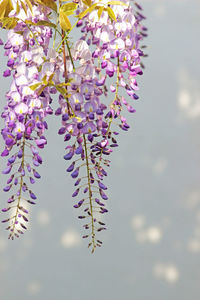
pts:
pixel 152 247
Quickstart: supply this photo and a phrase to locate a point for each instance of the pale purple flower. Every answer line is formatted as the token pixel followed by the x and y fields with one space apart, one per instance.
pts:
pixel 89 128
pixel 19 128
pixel 21 108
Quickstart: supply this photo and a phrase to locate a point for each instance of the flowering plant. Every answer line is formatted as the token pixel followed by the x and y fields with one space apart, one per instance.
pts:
pixel 43 61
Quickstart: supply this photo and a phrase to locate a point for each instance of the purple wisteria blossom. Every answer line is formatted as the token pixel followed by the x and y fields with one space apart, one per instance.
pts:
pixel 25 110
pixel 116 57
pixel 89 77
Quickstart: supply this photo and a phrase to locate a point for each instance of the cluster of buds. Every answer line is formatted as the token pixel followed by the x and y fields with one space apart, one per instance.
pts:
pixel 85 74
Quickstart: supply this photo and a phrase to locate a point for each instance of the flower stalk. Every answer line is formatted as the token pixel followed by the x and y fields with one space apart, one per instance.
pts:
pixel 15 222
pixel 90 195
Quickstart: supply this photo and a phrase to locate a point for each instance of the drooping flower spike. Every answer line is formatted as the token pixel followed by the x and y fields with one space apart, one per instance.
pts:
pixel 81 73
pixel 115 55
pixel 24 113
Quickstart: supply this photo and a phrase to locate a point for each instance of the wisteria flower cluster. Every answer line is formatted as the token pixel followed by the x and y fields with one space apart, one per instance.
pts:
pixel 89 77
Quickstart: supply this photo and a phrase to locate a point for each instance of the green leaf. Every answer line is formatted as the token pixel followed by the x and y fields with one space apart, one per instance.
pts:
pixel 24 7
pixel 44 80
pixel 88 10
pixel 51 77
pixel 29 22
pixel 111 14
pixel 41 90
pixel 9 23
pixel 63 84
pixel 100 10
pixel 68 8
pixel 117 3
pixel 5 8
pixel 45 23
pixel 40 68
pixel 28 2
pixel 87 2
pixel 61 90
pixel 17 8
pixel 9 8
pixel 2 11
pixel 33 87
pixel 19 32
pixel 64 21
pixel 49 3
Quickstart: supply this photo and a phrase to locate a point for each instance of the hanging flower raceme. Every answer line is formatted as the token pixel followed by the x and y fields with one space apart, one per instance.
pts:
pixel 25 112
pixel 106 58
pixel 113 34
pixel 83 124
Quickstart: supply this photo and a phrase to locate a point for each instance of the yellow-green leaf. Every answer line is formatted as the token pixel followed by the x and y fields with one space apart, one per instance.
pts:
pixel 100 10
pixel 28 2
pixel 9 23
pixel 29 22
pixel 19 32
pixel 63 84
pixel 45 23
pixel 5 8
pixel 9 8
pixel 41 90
pixel 51 77
pixel 88 10
pixel 17 8
pixel 33 87
pixel 64 21
pixel 87 2
pixel 111 14
pixel 40 68
pixel 24 7
pixel 61 90
pixel 68 8
pixel 49 3
pixel 44 80
pixel 117 3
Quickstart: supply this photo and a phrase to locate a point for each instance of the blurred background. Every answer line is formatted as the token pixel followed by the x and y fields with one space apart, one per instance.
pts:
pixel 151 249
